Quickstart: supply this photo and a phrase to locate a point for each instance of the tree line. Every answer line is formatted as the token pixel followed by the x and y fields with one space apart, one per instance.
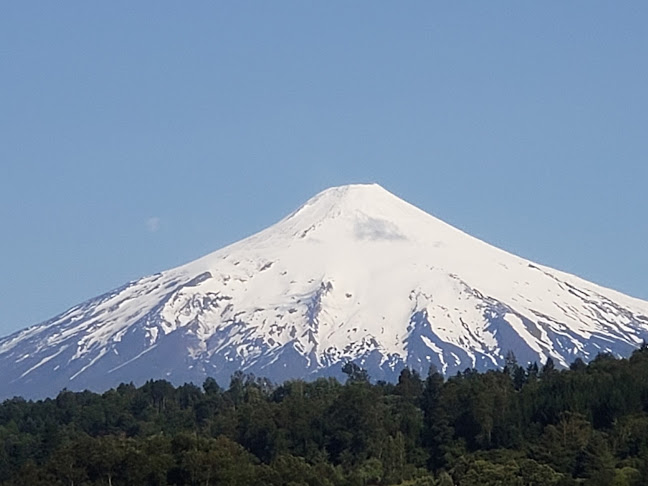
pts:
pixel 519 426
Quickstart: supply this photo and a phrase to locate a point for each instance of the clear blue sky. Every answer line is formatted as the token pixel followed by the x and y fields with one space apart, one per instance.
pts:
pixel 136 136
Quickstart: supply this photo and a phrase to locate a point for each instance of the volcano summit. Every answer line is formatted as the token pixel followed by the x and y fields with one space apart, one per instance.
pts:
pixel 355 274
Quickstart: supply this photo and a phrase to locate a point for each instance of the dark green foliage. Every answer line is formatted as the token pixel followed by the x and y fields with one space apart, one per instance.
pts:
pixel 519 426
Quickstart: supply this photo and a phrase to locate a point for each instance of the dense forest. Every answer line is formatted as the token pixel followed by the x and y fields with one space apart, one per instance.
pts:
pixel 518 426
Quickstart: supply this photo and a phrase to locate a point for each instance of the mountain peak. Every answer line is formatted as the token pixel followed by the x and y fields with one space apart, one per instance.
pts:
pixel 352 197
pixel 367 190
pixel 355 274
pixel 364 211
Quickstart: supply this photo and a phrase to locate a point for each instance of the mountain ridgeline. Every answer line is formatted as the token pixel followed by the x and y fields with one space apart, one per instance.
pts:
pixel 354 275
pixel 519 426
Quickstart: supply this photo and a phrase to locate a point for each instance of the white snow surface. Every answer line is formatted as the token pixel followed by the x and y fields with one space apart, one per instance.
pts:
pixel 355 272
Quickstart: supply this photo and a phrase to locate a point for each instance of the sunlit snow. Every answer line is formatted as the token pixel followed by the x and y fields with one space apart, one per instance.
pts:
pixel 341 278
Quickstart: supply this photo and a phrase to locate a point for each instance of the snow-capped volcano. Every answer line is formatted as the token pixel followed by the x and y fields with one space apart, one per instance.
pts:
pixel 355 274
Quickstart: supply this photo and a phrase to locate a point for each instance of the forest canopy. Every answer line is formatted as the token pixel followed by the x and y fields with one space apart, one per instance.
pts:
pixel 522 425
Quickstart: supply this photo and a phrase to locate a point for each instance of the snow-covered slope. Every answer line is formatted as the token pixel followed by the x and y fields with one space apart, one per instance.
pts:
pixel 354 274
